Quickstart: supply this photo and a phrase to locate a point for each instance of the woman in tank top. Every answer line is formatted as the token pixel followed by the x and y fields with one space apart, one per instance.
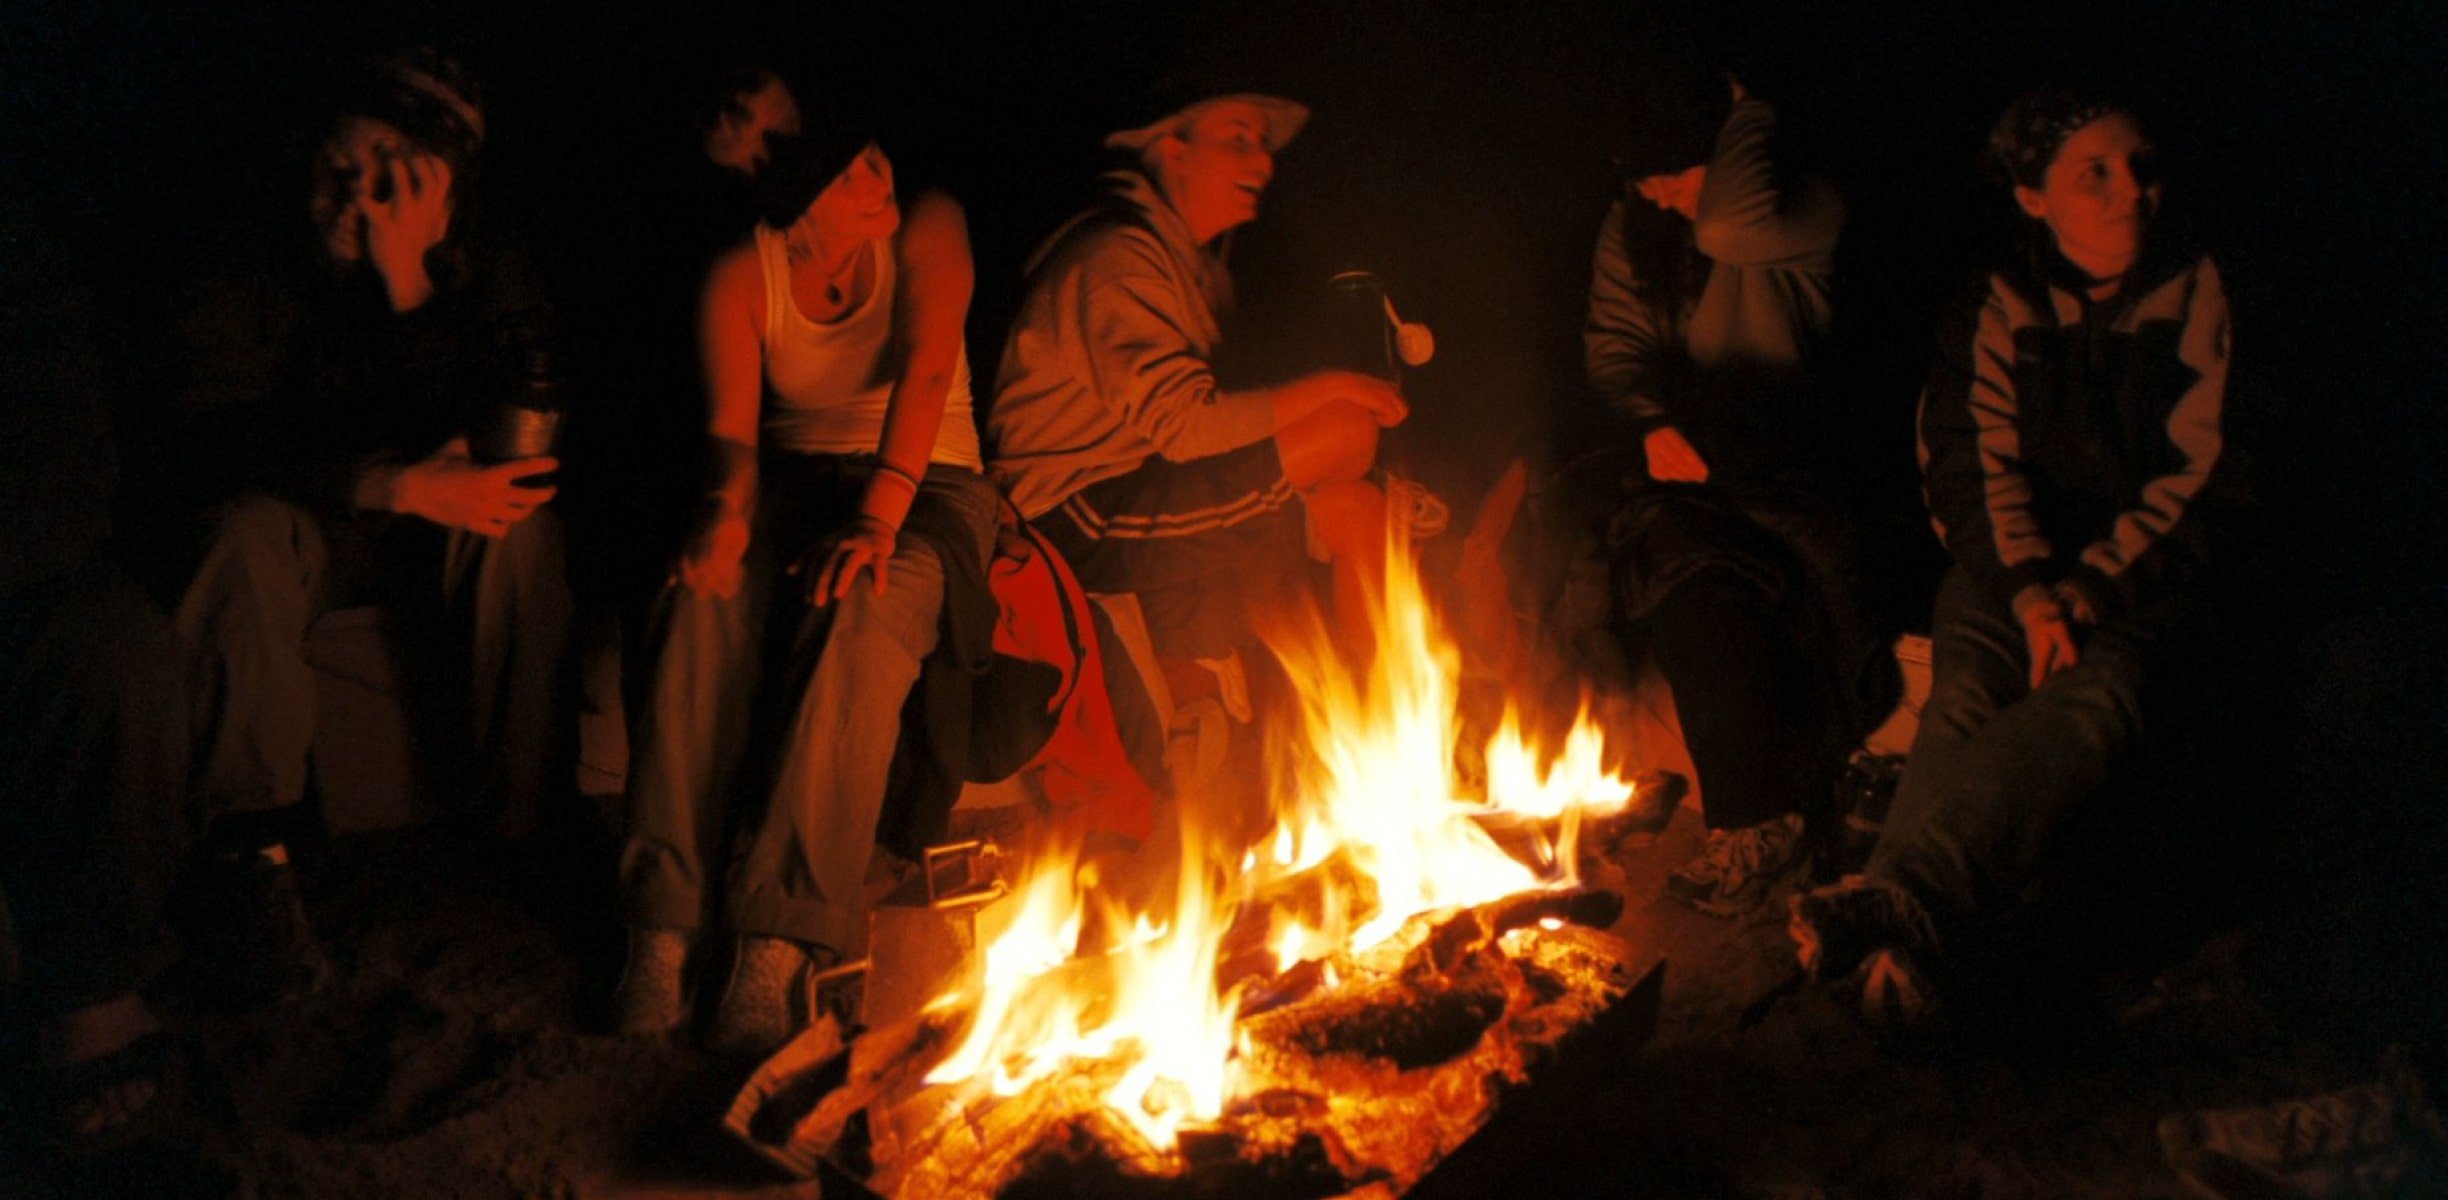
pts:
pixel 844 540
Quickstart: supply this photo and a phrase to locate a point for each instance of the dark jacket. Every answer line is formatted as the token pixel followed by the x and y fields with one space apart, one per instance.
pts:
pixel 2066 439
pixel 1730 354
pixel 287 377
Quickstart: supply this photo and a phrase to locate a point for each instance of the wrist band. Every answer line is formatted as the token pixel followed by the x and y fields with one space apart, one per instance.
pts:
pixel 886 468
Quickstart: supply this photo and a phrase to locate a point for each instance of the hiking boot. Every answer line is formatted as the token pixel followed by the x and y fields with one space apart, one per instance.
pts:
pixel 651 997
pixel 252 944
pixel 1737 868
pixel 769 998
pixel 1837 928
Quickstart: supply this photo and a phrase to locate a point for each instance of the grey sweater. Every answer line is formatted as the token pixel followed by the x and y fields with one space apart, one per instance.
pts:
pixel 1108 363
pixel 1763 312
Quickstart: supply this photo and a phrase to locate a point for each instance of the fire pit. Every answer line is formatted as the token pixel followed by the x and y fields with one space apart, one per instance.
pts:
pixel 1332 1010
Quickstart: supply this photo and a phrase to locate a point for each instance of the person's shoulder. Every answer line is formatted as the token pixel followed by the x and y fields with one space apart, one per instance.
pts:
pixel 2179 258
pixel 1104 245
pixel 932 222
pixel 934 207
pixel 737 271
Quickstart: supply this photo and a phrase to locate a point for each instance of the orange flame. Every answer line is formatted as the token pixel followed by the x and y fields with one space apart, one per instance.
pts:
pixel 1373 824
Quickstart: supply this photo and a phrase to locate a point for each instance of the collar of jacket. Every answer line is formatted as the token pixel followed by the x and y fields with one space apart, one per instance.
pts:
pixel 2167 255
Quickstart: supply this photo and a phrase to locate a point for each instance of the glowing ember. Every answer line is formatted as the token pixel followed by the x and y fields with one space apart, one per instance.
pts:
pixel 1372 827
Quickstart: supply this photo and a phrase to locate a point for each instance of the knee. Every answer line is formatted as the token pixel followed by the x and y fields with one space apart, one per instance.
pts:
pixel 2096 700
pixel 905 613
pixel 537 537
pixel 258 525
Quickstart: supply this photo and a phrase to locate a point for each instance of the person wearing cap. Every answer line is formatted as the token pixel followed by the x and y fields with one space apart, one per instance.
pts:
pixel 1710 308
pixel 1111 432
pixel 322 390
pixel 848 523
pixel 2072 456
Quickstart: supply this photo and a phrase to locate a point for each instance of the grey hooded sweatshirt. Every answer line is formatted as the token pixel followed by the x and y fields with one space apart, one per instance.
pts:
pixel 1109 360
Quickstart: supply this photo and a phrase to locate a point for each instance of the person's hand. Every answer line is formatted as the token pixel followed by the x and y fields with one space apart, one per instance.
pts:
pixel 1378 398
pixel 1676 193
pixel 868 543
pixel 711 564
pixel 2046 633
pixel 406 199
pixel 456 492
pixel 1672 458
pixel 2077 602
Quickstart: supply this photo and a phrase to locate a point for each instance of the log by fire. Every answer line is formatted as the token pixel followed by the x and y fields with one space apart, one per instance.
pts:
pixel 1360 1084
pixel 1331 1010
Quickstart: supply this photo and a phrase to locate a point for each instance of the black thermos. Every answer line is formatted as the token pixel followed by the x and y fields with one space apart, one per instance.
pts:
pixel 1358 335
pixel 527 423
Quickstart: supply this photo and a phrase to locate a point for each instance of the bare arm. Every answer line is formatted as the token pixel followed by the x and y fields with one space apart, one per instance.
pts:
pixel 929 308
pixel 1297 399
pixel 731 350
pixel 928 312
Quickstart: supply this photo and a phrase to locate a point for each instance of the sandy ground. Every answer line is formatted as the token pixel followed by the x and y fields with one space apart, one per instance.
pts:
pixel 454 1056
pixel 451 1059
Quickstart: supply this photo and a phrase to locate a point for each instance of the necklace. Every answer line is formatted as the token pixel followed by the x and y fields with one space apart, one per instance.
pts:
pixel 837 279
pixel 841 277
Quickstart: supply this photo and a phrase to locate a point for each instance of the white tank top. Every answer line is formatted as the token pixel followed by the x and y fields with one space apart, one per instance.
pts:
pixel 827 385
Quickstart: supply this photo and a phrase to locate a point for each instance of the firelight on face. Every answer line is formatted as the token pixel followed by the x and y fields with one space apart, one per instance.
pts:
pixel 351 162
pixel 1218 166
pixel 858 206
pixel 2098 196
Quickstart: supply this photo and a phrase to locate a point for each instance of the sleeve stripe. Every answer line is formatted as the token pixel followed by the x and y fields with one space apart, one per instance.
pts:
pixel 2193 427
pixel 2007 495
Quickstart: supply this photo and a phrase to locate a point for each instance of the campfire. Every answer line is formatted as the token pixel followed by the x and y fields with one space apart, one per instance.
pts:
pixel 1329 1006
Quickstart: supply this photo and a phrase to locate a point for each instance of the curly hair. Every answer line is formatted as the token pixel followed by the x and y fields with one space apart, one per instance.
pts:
pixel 2034 127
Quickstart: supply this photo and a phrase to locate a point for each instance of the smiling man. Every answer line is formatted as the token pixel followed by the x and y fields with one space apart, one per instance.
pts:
pixel 1112 434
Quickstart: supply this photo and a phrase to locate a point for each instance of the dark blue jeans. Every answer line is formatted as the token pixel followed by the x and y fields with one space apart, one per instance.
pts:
pixel 1998 767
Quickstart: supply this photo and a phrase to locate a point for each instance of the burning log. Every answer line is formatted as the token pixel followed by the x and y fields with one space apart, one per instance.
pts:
pixel 1448 944
pixel 1602 835
pixel 1451 987
pixel 1655 795
pixel 1312 896
pixel 1410 1023
pixel 1288 987
pixel 1367 1084
pixel 975 1147
pixel 799 1106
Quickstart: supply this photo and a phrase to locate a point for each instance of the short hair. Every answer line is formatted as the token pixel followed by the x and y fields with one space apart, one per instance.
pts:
pixel 2034 127
pixel 728 94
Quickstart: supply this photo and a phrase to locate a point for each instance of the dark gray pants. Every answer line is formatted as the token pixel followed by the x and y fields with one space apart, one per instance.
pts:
pixel 271 568
pixel 791 712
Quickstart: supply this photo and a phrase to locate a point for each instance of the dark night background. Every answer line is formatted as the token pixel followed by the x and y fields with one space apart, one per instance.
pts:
pixel 1462 151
